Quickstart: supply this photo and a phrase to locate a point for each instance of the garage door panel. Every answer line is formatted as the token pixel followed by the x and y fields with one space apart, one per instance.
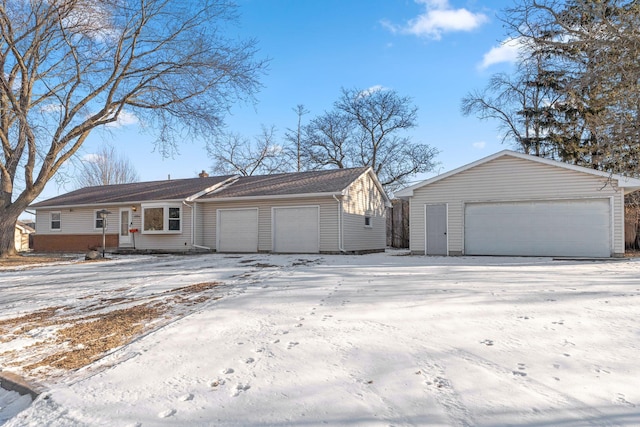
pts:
pixel 237 230
pixel 541 228
pixel 296 229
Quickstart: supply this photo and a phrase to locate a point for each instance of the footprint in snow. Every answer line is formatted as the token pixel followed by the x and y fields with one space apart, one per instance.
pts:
pixel 239 389
pixel 620 398
pixel 249 360
pixel 299 325
pixel 167 413
pixel 186 397
pixel 227 371
pixel 488 343
pixel 217 383
pixel 292 344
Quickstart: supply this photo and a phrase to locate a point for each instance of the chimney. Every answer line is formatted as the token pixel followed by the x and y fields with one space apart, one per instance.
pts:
pixel 203 174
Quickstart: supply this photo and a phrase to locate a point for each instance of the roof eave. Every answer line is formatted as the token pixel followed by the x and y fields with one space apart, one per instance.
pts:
pixel 104 204
pixel 269 197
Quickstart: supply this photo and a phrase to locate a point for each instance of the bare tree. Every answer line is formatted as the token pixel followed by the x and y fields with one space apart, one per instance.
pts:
pixel 106 167
pixel 235 154
pixel 69 67
pixel 294 137
pixel 524 104
pixel 381 117
pixel 596 45
pixel 329 142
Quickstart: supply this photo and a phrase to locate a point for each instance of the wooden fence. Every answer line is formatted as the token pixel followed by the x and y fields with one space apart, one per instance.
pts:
pixel 398 224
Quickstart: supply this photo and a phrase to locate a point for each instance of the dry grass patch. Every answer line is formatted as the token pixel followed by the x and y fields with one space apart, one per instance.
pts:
pixel 72 337
pixel 89 340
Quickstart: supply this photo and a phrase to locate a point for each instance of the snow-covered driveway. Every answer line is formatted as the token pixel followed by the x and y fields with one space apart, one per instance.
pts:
pixel 373 340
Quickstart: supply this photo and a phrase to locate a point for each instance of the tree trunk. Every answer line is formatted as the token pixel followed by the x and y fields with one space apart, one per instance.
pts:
pixel 8 220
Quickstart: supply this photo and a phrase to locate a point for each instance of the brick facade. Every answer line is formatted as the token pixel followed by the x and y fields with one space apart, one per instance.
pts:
pixel 72 242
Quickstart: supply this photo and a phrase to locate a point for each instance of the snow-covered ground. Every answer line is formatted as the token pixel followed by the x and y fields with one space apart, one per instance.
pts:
pixel 374 340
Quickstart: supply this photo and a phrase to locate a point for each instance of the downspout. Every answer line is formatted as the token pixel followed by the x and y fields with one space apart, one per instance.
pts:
pixel 193 226
pixel 340 222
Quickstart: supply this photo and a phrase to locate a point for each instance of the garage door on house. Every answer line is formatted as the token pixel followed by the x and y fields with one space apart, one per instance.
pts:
pixel 237 230
pixel 539 228
pixel 296 229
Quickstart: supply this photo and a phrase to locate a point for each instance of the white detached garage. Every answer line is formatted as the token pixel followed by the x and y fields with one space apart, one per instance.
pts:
pixel 515 204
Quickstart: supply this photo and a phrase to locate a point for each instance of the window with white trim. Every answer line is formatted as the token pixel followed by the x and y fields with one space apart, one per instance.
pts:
pixel 159 219
pixel 55 223
pixel 98 222
pixel 367 221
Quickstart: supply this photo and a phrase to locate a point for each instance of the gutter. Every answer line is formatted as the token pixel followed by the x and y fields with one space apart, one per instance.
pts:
pixel 193 197
pixel 340 222
pixel 193 226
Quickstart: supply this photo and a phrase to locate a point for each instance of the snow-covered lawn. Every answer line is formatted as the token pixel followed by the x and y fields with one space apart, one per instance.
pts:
pixel 373 340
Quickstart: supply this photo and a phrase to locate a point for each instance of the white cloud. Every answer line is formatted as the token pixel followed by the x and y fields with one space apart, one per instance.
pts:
pixel 438 18
pixel 479 145
pixel 91 158
pixel 507 51
pixel 124 119
pixel 371 90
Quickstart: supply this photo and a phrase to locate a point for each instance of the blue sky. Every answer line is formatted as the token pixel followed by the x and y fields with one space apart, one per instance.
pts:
pixel 435 51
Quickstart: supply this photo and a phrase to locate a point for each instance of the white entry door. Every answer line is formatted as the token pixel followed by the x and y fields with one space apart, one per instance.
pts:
pixel 124 238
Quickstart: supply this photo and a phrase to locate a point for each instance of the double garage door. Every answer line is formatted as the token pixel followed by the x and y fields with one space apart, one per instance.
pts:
pixel 540 228
pixel 295 230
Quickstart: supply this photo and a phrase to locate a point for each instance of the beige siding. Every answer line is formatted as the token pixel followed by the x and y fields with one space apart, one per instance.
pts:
pixel 362 199
pixel 328 220
pixel 503 179
pixel 81 221
pixel 76 221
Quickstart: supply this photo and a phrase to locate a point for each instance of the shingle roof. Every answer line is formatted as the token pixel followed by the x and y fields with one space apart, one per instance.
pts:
pixel 313 182
pixel 135 192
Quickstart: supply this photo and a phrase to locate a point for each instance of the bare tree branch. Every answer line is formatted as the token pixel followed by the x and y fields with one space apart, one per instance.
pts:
pixel 69 67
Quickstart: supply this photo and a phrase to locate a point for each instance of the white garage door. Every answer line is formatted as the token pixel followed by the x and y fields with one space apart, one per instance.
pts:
pixel 237 230
pixel 541 228
pixel 296 230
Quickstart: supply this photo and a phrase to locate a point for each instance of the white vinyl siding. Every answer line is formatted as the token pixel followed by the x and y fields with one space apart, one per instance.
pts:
pixel 78 221
pixel 508 179
pixel 363 200
pixel 237 230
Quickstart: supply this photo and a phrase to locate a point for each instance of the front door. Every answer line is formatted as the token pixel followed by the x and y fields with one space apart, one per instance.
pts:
pixel 125 223
pixel 436 229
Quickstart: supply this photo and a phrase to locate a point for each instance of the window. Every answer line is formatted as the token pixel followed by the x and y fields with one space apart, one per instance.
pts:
pixel 174 219
pixel 158 219
pixel 153 219
pixel 367 221
pixel 56 223
pixel 98 221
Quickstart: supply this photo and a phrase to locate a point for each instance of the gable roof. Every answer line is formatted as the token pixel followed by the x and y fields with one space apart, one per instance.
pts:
pixel 329 182
pixel 312 183
pixel 24 228
pixel 629 184
pixel 175 189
